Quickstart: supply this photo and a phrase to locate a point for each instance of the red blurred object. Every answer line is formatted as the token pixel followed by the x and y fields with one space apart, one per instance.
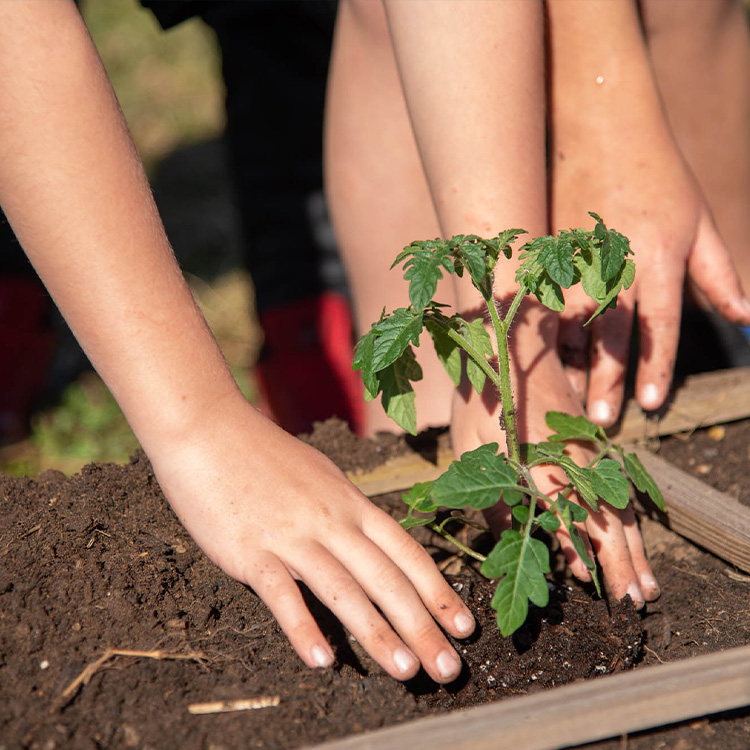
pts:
pixel 27 343
pixel 305 368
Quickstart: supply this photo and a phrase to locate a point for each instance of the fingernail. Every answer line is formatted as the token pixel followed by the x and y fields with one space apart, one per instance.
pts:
pixel 600 412
pixel 404 660
pixel 464 622
pixel 649 583
pixel 634 590
pixel 448 664
pixel 322 657
pixel 650 396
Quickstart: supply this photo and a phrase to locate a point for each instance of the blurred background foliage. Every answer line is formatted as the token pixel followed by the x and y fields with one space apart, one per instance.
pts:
pixel 171 91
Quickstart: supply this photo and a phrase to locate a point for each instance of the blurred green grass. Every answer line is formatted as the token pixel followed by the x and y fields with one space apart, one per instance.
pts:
pixel 170 89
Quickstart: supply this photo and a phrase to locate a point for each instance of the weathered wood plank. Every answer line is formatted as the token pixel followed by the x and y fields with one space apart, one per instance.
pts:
pixel 578 713
pixel 703 400
pixel 702 514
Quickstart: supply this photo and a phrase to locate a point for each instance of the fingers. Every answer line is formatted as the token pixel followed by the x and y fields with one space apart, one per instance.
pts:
pixel 436 593
pixel 711 269
pixel 659 312
pixel 375 579
pixel 273 583
pixel 641 566
pixel 610 343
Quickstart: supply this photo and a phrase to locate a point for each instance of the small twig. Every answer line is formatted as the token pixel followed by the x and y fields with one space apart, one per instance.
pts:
pixel 89 671
pixel 654 654
pixel 31 531
pixel 243 704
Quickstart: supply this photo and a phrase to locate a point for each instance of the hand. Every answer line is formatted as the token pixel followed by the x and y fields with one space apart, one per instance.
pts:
pixel 540 385
pixel 269 509
pixel 656 203
pixel 613 153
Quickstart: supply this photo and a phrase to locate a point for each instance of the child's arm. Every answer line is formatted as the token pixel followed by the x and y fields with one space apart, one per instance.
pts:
pixel 613 153
pixel 473 78
pixel 265 507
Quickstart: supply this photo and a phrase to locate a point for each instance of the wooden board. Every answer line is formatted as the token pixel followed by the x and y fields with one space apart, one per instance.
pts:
pixel 702 514
pixel 578 713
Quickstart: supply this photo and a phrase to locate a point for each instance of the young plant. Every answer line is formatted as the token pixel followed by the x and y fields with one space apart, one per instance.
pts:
pixel 598 259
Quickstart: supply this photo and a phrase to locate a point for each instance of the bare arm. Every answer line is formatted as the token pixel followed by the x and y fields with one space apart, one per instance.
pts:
pixel 76 195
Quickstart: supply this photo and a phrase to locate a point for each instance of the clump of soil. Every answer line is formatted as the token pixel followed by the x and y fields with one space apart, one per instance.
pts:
pixel 98 561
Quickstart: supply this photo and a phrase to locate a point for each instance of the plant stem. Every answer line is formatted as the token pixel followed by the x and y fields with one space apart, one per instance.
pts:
pixel 501 328
pixel 466 550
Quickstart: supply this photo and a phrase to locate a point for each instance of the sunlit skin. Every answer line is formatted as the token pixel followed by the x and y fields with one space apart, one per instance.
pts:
pixel 76 195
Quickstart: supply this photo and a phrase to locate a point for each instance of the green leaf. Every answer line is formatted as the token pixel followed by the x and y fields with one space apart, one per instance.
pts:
pixel 549 293
pixel 473 255
pixel 615 247
pixel 446 348
pixel 623 281
pixel 423 269
pixel 477 336
pixel 520 562
pixel 521 513
pixel 419 498
pixel 582 480
pixel 568 427
pixel 477 480
pixel 393 334
pixel 643 480
pixel 548 521
pixel 363 362
pixel 557 259
pixel 571 513
pixel 411 522
pixel 610 483
pixel 398 393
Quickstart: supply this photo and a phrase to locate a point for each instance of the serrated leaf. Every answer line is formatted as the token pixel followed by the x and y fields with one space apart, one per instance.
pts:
pixel 424 265
pixel 548 521
pixel 533 452
pixel 568 427
pixel 472 254
pixel 446 348
pixel 479 339
pixel 419 498
pixel 505 239
pixel 571 513
pixel 610 483
pixel 393 334
pixel 398 393
pixel 520 562
pixel 582 481
pixel 363 362
pixel 615 248
pixel 643 480
pixel 557 259
pixel 476 480
pixel 411 522
pixel 520 513
pixel 549 293
pixel 614 287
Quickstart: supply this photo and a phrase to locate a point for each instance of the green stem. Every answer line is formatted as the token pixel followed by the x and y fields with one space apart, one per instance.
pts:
pixel 501 328
pixel 470 552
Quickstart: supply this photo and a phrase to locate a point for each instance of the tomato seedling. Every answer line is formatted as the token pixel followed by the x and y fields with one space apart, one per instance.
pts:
pixel 599 260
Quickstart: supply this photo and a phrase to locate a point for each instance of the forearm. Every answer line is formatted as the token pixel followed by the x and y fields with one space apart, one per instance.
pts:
pixel 601 71
pixel 76 196
pixel 473 76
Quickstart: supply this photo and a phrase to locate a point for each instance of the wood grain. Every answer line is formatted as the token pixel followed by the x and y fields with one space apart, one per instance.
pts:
pixel 578 713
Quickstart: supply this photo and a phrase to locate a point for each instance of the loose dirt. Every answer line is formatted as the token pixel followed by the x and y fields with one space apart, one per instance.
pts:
pixel 98 562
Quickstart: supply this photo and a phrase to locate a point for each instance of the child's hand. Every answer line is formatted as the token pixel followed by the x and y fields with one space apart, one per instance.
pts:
pixel 540 385
pixel 613 153
pixel 654 201
pixel 269 509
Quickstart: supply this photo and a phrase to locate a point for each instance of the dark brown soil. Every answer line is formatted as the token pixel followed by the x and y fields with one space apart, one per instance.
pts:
pixel 98 561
